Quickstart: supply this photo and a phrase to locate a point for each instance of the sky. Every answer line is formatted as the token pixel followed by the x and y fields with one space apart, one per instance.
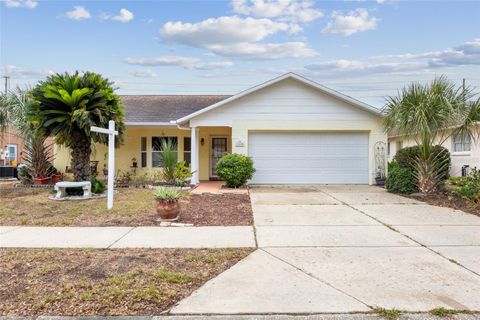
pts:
pixel 366 49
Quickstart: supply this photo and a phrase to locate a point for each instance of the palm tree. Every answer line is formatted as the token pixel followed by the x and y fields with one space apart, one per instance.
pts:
pixel 424 112
pixel 68 105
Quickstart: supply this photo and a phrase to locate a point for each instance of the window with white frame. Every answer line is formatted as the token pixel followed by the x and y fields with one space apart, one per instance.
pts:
pixel 157 143
pixel 461 142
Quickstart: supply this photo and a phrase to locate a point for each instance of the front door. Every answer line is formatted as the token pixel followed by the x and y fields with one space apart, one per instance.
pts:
pixel 217 150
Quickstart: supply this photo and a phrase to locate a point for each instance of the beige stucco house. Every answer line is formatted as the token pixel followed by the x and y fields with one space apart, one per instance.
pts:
pixel 296 130
pixel 464 152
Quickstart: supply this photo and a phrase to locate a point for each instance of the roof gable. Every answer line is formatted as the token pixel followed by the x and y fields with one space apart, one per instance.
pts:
pixel 304 81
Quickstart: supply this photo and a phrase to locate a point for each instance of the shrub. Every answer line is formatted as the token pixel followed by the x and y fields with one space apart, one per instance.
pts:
pixel 235 169
pixel 401 180
pixel 182 173
pixel 408 156
pixel 470 188
pixel 98 186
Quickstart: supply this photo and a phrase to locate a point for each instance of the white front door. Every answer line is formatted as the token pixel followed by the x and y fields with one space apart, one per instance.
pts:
pixel 218 147
pixel 309 158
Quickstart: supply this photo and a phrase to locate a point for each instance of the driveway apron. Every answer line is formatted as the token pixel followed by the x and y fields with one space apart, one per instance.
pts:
pixel 348 249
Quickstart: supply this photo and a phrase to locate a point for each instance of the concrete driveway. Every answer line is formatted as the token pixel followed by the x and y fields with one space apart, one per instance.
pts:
pixel 348 249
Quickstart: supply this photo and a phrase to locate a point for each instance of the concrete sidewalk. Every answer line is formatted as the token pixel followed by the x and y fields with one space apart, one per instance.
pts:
pixel 127 237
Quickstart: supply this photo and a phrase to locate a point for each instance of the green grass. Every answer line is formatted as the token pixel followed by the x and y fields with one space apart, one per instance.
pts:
pixel 389 314
pixel 442 312
pixel 174 277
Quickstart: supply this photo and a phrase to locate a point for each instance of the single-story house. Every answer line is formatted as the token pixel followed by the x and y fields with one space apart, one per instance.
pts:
pixel 296 131
pixel 464 152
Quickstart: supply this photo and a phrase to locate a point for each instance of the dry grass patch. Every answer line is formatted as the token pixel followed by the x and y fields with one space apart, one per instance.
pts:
pixel 84 282
pixel 133 207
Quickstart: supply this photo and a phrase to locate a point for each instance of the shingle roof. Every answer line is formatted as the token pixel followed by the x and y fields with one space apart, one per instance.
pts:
pixel 164 108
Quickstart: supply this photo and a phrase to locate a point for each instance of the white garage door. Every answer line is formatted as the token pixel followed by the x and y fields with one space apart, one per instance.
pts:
pixel 309 158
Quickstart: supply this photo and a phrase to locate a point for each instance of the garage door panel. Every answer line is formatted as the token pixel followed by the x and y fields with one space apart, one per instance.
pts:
pixel 309 158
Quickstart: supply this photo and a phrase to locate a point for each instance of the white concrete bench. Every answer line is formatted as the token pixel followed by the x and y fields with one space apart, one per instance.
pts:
pixel 61 187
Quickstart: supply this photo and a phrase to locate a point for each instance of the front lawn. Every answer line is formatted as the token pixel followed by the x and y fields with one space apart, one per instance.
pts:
pixel 86 282
pixel 132 207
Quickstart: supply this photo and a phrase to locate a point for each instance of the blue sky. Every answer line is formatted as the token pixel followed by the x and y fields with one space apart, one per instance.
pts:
pixel 367 49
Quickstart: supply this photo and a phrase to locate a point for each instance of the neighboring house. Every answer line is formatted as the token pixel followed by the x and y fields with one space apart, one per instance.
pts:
pixel 296 131
pixel 11 147
pixel 464 152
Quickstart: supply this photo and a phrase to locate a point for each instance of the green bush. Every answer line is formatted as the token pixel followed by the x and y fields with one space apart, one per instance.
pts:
pixel 407 157
pixel 458 181
pixel 235 169
pixel 401 180
pixel 470 188
pixel 182 173
pixel 98 186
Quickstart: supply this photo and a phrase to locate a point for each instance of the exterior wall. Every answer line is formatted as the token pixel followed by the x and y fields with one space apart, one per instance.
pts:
pixel 290 105
pixel 286 100
pixel 459 159
pixel 131 149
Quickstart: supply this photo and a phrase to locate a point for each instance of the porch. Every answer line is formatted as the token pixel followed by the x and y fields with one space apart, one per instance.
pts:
pixel 199 147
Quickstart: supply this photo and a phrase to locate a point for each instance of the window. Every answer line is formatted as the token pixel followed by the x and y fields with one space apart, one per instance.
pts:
pixel 143 152
pixel 461 143
pixel 388 148
pixel 187 150
pixel 157 149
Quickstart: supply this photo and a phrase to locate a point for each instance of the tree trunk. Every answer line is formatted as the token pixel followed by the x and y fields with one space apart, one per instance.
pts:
pixel 81 157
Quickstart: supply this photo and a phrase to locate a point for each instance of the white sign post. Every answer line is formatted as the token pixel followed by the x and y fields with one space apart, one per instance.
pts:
pixel 111 157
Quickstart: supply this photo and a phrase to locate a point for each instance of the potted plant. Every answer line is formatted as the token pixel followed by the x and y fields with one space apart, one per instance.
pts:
pixel 134 162
pixel 168 205
pixel 56 176
pixel 39 159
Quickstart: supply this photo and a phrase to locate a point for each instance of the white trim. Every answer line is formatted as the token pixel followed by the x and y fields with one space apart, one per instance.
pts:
pixel 195 155
pixel 159 124
pixel 289 75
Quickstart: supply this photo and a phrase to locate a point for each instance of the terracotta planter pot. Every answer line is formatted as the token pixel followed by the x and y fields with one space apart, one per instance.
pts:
pixel 41 181
pixel 168 211
pixel 57 177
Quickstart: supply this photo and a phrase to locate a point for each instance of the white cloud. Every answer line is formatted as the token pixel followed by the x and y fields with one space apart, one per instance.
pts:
pixel 181 61
pixel 16 71
pixel 221 31
pixel 467 53
pixel 265 50
pixel 124 16
pixel 289 10
pixel 355 21
pixel 78 13
pixel 144 73
pixel 236 37
pixel 28 4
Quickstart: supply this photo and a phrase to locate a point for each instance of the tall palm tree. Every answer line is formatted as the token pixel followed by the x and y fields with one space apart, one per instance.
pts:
pixel 424 112
pixel 68 105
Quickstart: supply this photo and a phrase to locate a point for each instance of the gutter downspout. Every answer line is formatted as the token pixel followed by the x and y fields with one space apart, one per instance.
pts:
pixel 179 126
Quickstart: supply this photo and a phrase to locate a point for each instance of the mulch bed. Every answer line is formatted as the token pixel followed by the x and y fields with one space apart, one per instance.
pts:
pixel 86 282
pixel 132 207
pixel 446 199
pixel 217 210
